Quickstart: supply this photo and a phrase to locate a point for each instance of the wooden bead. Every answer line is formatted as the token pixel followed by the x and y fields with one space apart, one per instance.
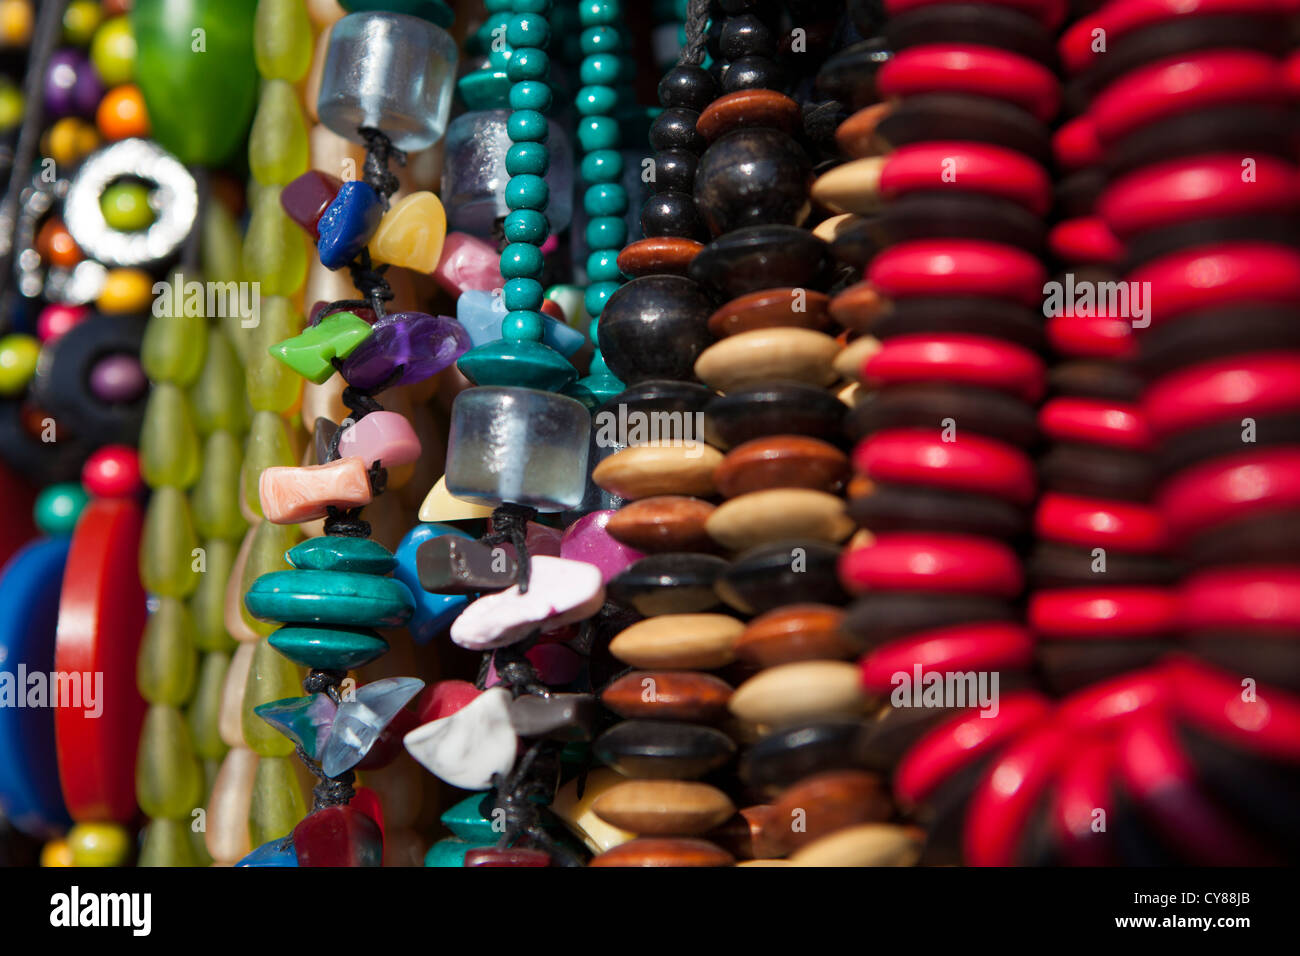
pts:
pixel 663 523
pixel 856 136
pixel 782 461
pixel 664 807
pixel 778 514
pixel 685 641
pixel 857 306
pixel 827 802
pixel 797 632
pixel 661 851
pixel 852 187
pixel 644 471
pixel 869 844
pixel 668 695
pixel 753 107
pixel 806 690
pixel 772 308
pixel 659 255
pixel 748 358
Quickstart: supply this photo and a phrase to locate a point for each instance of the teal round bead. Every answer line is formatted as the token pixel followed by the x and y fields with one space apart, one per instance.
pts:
pixel 58 507
pixel 522 294
pixel 594 13
pixel 330 597
pixel 521 260
pixel 528 30
pixel 530 95
pixel 602 266
pixel 602 166
pixel 598 132
pixel 522 325
pixel 606 232
pixel 527 126
pixel 599 70
pixel 527 192
pixel 600 39
pixel 526 225
pixel 532 158
pixel 597 294
pixel 596 100
pixel 531 6
pixel 605 199
pixel 528 64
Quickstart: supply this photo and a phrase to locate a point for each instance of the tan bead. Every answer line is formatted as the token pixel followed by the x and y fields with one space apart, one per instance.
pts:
pixel 439 505
pixel 851 187
pixel 801 691
pixel 236 625
pixel 577 814
pixel 800 355
pixel 412 232
pixel 230 721
pixel 678 641
pixel 226 836
pixel 644 471
pixel 869 844
pixel 854 355
pixel 664 807
pixel 828 229
pixel 778 514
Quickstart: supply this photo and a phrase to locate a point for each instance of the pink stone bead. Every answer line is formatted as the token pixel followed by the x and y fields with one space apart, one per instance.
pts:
pixel 468 263
pixel 291 495
pixel 587 540
pixel 557 665
pixel 550 245
pixel 443 699
pixel 386 437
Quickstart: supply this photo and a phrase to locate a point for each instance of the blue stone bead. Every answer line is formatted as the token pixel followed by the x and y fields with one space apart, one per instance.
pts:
pixel 329 648
pixel 602 266
pixel 600 70
pixel 348 223
pixel 523 294
pixel 521 260
pixel 606 232
pixel 596 100
pixel 602 166
pixel 362 718
pixel 433 612
pixel 341 553
pixel 598 132
pixel 528 64
pixel 272 853
pixel 526 225
pixel 530 95
pixel 465 819
pixel 330 597
pixel 527 126
pixel 532 158
pixel 605 199
pixel 527 192
pixel 304 720
pixel 482 314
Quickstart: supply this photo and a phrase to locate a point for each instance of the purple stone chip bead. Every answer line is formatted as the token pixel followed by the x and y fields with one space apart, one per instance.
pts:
pixel 423 345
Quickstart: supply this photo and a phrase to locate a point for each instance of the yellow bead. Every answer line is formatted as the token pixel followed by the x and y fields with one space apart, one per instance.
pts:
pixel 411 233
pixel 56 853
pixel 15 22
pixel 99 844
pixel 126 290
pixel 18 356
pixel 70 139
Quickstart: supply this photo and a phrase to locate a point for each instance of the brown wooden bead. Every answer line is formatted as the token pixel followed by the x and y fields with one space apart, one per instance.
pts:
pixel 819 805
pixel 856 136
pixel 665 851
pixel 868 844
pixel 858 306
pixel 678 641
pixel 781 461
pixel 859 486
pixel 770 308
pixel 796 632
pixel 668 695
pixel 647 471
pixel 664 807
pixel 663 523
pixel 659 255
pixel 802 691
pixel 761 355
pixel 753 107
pixel 779 514
pixel 747 835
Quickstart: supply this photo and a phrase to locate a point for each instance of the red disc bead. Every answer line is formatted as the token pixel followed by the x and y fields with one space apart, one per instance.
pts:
pixel 989 646
pixel 958 267
pixel 970 462
pixel 1241 385
pixel 967 167
pixel 908 561
pixel 977 70
pixel 961 359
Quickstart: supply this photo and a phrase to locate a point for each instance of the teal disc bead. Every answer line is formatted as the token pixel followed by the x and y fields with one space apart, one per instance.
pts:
pixel 597 294
pixel 528 30
pixel 525 363
pixel 527 192
pixel 521 260
pixel 530 95
pixel 467 822
pixel 329 648
pixel 522 325
pixel 522 295
pixel 596 100
pixel 526 225
pixel 598 132
pixel 606 232
pixel 528 158
pixel 601 39
pixel 602 266
pixel 595 13
pixel 605 199
pixel 528 64
pixel 330 597
pixel 600 70
pixel 602 166
pixel 527 126
pixel 334 552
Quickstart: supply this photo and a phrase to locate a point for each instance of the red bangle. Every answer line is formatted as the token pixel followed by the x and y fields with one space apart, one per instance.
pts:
pixel 1095 421
pixel 1240 385
pixel 941 267
pixel 979 70
pixel 1102 612
pixel 967 167
pixel 990 646
pixel 969 463
pixel 914 561
pixel 1252 597
pixel 1231 487
pixel 1224 274
pixel 960 358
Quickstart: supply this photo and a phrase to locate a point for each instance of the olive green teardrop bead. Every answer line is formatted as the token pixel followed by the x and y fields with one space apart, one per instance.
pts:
pixel 173 346
pixel 218 395
pixel 271 677
pixel 277 803
pixel 205 709
pixel 215 499
pixel 208 603
pixel 221 243
pixel 269 444
pixel 169 442
pixel 277 144
pixel 168 843
pixel 275 249
pixel 168 779
pixel 168 659
pixel 168 558
pixel 272 385
pixel 282 39
pixel 266 554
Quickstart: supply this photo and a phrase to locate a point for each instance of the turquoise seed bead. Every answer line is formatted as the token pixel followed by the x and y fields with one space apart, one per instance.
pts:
pixel 528 30
pixel 599 40
pixel 526 225
pixel 602 266
pixel 522 295
pixel 528 64
pixel 597 294
pixel 527 192
pixel 527 126
pixel 599 70
pixel 596 100
pixel 602 166
pixel 598 132
pixel 524 158
pixel 530 95
pixel 594 13
pixel 521 260
pixel 606 232
pixel 605 199
pixel 522 325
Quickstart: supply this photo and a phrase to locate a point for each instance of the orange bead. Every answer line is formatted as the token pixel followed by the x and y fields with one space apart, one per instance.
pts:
pixel 56 246
pixel 122 113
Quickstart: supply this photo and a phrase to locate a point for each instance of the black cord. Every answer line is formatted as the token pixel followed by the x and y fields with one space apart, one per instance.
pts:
pixel 697 29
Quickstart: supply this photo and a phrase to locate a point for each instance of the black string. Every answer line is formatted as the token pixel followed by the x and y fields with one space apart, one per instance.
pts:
pixel 697 28
pixel 510 524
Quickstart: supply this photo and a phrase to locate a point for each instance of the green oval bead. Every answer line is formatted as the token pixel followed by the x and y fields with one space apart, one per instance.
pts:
pixel 522 294
pixel 174 345
pixel 329 648
pixel 282 39
pixel 606 232
pixel 125 206
pixel 597 295
pixel 329 597
pixel 205 710
pixel 165 842
pixel 218 396
pixel 168 778
pixel 214 502
pixel 168 659
pixel 602 166
pixel 273 386
pixel 522 325
pixel 605 199
pixel 466 820
pixel 265 556
pixel 602 266
pixel 268 444
pixel 168 562
pixel 270 677
pixel 527 126
pixel 598 132
pixel 277 804
pixel 222 243
pixel 208 602
pixel 277 145
pixel 528 64
pixel 521 260
pixel 112 51
pixel 601 69
pixel 532 158
pixel 275 249
pixel 58 507
pixel 596 100
pixel 530 95
pixel 169 442
pixel 526 225
pixel 599 39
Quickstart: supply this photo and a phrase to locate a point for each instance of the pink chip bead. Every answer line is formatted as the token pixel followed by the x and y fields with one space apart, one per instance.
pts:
pixel 294 494
pixel 468 263
pixel 587 540
pixel 386 437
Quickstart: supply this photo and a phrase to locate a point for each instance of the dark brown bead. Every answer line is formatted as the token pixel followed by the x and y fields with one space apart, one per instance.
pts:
pixel 752 177
pixel 857 306
pixel 781 461
pixel 798 632
pixel 662 255
pixel 746 836
pixel 663 524
pixel 772 308
pixel 664 851
pixel 821 804
pixel 668 695
pixel 748 108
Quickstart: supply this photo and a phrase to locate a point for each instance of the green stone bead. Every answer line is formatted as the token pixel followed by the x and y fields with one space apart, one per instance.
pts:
pixel 166 842
pixel 526 363
pixel 169 442
pixel 593 13
pixel 602 166
pixel 168 778
pixel 218 396
pixel 595 389
pixel 527 126
pixel 526 225
pixel 532 158
pixel 221 243
pixel 168 548
pixel 329 648
pixel 268 444
pixel 451 853
pixel 282 35
pixel 602 266
pixel 273 385
pixel 600 69
pixel 310 352
pixel 596 100
pixel 465 819
pixel 278 803
pixel 530 95
pixel 606 232
pixel 522 294
pixel 485 89
pixel 205 710
pixel 275 249
pixel 270 677
pixel 599 39
pixel 126 208
pixel 598 294
pixel 333 552
pixel 277 146
pixel 521 260
pixel 528 30
pixel 329 597
pixel 523 325
pixel 197 837
pixel 174 345
pixel 168 659
pixel 527 192
pixel 265 556
pixel 598 132
pixel 605 199
pixel 214 502
pixel 58 507
pixel 208 602
pixel 528 64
